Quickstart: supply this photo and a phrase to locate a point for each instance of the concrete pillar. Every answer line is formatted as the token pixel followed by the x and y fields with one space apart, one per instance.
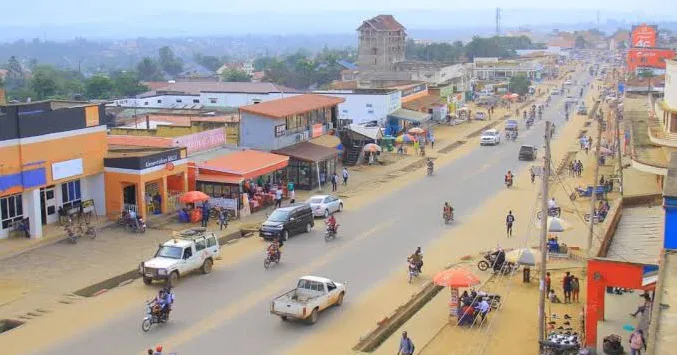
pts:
pixel 31 209
pixel 164 194
pixel 185 181
pixel 141 199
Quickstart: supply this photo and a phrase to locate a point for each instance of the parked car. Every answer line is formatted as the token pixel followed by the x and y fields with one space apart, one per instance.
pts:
pixel 287 221
pixel 527 152
pixel 490 137
pixel 312 295
pixel 324 205
pixel 193 249
pixel 582 110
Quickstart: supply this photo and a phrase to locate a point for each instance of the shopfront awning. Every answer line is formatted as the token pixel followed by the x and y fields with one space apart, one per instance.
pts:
pixel 409 115
pixel 223 179
pixel 246 164
pixel 309 152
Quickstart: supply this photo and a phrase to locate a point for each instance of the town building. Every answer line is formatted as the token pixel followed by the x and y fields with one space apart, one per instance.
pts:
pixel 364 105
pixel 494 68
pixel 207 94
pixel 51 163
pixel 381 43
pixel 245 67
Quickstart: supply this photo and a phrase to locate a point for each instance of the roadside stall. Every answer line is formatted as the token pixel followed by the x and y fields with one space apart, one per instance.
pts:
pixel 455 278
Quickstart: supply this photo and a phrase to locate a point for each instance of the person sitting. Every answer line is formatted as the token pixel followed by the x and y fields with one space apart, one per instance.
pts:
pixel 331 223
pixel 466 315
pixel 417 259
pixel 159 304
pixel 552 204
pixel 553 297
pixel 168 301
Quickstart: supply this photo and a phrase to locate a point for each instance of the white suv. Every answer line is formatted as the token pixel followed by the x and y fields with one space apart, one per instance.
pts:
pixel 490 137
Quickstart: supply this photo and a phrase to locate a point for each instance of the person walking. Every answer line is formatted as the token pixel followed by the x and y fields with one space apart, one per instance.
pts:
pixel 292 192
pixel 532 173
pixel 432 142
pixel 417 148
pixel 345 176
pixel 509 220
pixel 566 287
pixel 205 214
pixel 643 304
pixel 334 181
pixel 637 342
pixel 278 197
pixel 406 345
pixel 548 282
pixel 575 289
pixel 223 218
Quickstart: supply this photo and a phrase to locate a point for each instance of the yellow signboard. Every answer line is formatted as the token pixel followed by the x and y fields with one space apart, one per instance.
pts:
pixel 92 116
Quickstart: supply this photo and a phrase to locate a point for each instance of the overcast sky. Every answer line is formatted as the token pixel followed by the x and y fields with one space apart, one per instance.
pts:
pixel 34 12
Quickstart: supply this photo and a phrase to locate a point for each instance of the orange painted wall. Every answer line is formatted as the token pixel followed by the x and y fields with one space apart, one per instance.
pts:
pixel 10 163
pixel 612 273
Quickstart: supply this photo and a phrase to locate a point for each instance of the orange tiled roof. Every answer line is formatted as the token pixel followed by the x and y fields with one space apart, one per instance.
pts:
pixel 247 163
pixel 292 105
pixel 140 141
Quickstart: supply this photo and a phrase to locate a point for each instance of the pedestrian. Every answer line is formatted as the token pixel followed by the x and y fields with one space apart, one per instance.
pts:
pixel 432 141
pixel 292 192
pixel 150 351
pixel 575 289
pixel 158 350
pixel 406 345
pixel 548 282
pixel 566 287
pixel 532 173
pixel 417 147
pixel 345 176
pixel 223 218
pixel 205 214
pixel 644 302
pixel 526 274
pixel 637 342
pixel 509 220
pixel 587 147
pixel 572 168
pixel 334 181
pixel 278 197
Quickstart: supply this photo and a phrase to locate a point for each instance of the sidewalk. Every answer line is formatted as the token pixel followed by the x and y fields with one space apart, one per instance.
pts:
pixel 41 274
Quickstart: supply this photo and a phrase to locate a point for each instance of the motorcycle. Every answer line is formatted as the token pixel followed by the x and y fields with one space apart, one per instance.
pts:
pixel 413 271
pixel 330 233
pixel 489 261
pixel 430 170
pixel 153 316
pixel 272 257
pixel 73 235
pixel 448 217
pixel 508 183
pixel 138 226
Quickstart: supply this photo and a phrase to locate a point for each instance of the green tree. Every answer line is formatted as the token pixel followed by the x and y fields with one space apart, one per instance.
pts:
pixel 519 84
pixel 263 63
pixel 127 84
pixel 235 75
pixel 149 70
pixel 580 42
pixel 169 62
pixel 647 73
pixel 16 77
pixel 99 87
pixel 210 62
pixel 43 82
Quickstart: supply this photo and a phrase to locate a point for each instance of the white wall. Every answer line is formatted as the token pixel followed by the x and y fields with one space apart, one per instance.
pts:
pixel 93 187
pixel 365 107
pixel 671 83
pixel 223 99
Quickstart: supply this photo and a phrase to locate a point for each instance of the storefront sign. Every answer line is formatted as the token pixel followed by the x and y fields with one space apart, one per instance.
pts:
pixel 66 169
pixel 157 159
pixel 318 130
pixel 227 203
pixel 280 130
pixel 394 101
pixel 643 36
pixel 453 302
pixel 648 58
pixel 414 90
pixel 198 142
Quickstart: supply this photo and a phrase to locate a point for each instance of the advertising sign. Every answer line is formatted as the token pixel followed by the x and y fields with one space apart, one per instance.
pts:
pixel 198 142
pixel 648 58
pixel 318 130
pixel 66 169
pixel 643 36
pixel 280 130
pixel 414 90
pixel 158 159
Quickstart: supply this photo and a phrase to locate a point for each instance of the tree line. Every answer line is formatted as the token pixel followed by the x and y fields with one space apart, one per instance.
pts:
pixel 457 52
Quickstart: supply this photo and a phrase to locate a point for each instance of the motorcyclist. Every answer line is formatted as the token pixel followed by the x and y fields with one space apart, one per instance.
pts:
pixel 133 220
pixel 160 304
pixel 331 223
pixel 168 301
pixel 448 211
pixel 417 259
pixel 430 165
pixel 275 249
pixel 509 178
pixel 552 205
pixel 499 258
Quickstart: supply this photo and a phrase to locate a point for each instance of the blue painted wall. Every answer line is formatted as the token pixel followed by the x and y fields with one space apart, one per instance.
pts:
pixel 258 132
pixel 670 238
pixel 25 179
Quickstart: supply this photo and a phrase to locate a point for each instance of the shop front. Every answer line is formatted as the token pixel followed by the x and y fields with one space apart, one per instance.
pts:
pixel 147 181
pixel 403 119
pixel 241 182
pixel 310 165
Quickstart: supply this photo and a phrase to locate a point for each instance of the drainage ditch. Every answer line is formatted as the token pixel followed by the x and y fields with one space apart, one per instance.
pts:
pixel 9 324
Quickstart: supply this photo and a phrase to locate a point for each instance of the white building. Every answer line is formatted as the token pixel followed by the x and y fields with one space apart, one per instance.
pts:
pixel 364 105
pixel 208 94
pixel 493 68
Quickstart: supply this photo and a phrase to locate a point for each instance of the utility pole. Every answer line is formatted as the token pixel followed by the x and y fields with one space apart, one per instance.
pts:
pixel 544 236
pixel 619 156
pixel 498 21
pixel 593 198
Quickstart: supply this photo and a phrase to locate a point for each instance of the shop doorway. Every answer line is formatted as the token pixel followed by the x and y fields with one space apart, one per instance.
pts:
pixel 48 205
pixel 129 198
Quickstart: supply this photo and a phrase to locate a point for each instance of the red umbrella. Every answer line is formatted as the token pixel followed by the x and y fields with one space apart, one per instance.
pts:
pixel 456 277
pixel 193 196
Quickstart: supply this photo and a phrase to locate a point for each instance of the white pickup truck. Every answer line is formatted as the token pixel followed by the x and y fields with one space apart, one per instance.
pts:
pixel 192 249
pixel 311 295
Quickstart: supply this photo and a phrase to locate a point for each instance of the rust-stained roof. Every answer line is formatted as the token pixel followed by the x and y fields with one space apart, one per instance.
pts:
pixel 383 23
pixel 423 103
pixel 140 141
pixel 292 106
pixel 196 87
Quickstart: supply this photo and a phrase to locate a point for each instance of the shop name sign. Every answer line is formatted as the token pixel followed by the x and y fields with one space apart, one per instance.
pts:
pixel 414 90
pixel 150 162
pixel 280 130
pixel 202 141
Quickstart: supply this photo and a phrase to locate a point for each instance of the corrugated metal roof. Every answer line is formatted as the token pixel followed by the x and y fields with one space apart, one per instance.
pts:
pixel 409 115
pixel 292 105
pixel 639 237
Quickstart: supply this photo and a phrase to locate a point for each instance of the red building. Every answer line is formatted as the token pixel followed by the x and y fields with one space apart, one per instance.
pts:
pixel 653 58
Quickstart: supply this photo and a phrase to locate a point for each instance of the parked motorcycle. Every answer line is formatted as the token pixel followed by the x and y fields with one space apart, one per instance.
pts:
pixel 72 233
pixel 272 257
pixel 508 183
pixel 489 261
pixel 153 316
pixel 331 233
pixel 138 226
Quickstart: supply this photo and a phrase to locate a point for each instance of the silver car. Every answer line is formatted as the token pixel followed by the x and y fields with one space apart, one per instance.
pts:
pixel 324 205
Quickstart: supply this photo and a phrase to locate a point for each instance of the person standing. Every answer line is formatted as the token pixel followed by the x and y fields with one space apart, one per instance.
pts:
pixel 417 148
pixel 345 176
pixel 509 220
pixel 334 181
pixel 223 218
pixel 278 197
pixel 566 286
pixel 548 282
pixel 575 289
pixel 532 173
pixel 406 345
pixel 637 342
pixel 205 214
pixel 292 191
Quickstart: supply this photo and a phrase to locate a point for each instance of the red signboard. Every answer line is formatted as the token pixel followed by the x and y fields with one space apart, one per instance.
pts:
pixel 198 142
pixel 318 130
pixel 643 36
pixel 648 58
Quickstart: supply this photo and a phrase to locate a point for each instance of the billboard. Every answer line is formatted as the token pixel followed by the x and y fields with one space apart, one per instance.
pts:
pixel 643 36
pixel 648 58
pixel 198 142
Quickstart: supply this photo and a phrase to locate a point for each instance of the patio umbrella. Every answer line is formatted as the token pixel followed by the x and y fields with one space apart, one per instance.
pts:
pixel 524 256
pixel 405 138
pixel 416 130
pixel 555 225
pixel 454 278
pixel 506 97
pixel 193 196
pixel 372 148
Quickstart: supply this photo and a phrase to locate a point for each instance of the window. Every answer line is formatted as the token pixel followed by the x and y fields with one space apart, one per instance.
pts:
pixel 256 101
pixel 200 244
pixel 371 112
pixel 331 286
pixel 179 100
pixel 187 253
pixel 212 100
pixel 369 105
pixel 145 103
pixel 211 241
pixel 159 101
pixel 71 194
pixel 196 101
pixel 11 210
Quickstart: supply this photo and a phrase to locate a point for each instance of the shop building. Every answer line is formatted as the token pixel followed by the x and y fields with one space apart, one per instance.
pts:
pixel 310 165
pixel 145 180
pixel 281 123
pixel 51 163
